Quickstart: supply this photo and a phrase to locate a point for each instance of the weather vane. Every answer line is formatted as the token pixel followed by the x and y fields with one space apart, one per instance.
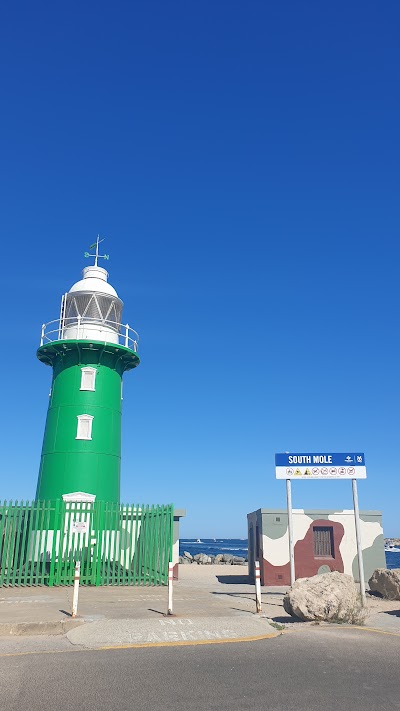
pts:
pixel 97 256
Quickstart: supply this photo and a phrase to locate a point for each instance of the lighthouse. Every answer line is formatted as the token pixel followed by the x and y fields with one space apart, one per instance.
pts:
pixel 89 350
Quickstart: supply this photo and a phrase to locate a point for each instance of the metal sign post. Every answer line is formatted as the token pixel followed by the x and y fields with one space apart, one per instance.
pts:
pixel 359 544
pixel 290 527
pixel 325 466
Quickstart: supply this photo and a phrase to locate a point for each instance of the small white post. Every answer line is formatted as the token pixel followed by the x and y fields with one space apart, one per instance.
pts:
pixel 290 521
pixel 126 335
pixel 170 583
pixel 359 543
pixel 42 334
pixel 258 585
pixel 76 588
pixel 79 327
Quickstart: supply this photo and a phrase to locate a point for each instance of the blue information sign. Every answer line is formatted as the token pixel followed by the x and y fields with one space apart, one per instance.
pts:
pixel 320 465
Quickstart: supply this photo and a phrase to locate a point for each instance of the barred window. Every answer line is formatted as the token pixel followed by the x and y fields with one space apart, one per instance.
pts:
pixel 323 541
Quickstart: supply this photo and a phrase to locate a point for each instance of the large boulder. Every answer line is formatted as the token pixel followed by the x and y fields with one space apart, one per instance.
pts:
pixel 202 559
pixel 386 583
pixel 184 561
pixel 238 560
pixel 333 597
pixel 227 558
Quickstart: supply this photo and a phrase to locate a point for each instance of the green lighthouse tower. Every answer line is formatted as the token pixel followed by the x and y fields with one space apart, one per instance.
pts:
pixel 89 350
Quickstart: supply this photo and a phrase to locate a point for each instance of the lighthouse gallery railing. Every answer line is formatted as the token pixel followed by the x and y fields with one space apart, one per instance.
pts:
pixel 56 330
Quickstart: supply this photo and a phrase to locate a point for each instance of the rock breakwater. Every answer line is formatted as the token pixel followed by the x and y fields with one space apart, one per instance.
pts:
pixel 204 559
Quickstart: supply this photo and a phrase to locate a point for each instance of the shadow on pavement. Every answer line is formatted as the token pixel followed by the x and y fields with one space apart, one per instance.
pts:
pixel 234 579
pixel 244 595
pixel 286 620
pixel 249 595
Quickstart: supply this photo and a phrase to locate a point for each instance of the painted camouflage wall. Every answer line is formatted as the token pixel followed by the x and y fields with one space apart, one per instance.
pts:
pixel 269 542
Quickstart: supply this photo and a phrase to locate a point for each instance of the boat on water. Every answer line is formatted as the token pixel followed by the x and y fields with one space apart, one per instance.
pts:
pixel 391 548
pixel 198 540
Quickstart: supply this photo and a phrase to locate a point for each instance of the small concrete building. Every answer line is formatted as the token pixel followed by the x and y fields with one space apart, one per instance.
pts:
pixel 323 541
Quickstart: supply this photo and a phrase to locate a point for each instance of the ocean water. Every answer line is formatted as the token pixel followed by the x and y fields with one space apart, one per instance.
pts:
pixel 239 546
pixel 392 559
pixel 211 546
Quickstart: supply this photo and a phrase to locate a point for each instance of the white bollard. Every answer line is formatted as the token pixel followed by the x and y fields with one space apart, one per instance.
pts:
pixel 76 588
pixel 170 583
pixel 258 586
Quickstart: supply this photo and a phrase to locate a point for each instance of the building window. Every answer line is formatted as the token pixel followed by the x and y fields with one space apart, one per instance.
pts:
pixel 323 541
pixel 88 378
pixel 84 430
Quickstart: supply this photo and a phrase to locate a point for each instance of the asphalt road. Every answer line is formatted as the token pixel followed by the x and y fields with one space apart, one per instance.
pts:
pixel 321 669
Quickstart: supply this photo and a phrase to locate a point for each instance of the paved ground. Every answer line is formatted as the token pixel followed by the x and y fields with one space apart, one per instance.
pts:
pixel 317 669
pixel 210 602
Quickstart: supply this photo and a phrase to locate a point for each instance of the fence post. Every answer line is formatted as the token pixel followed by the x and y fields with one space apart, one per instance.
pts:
pixel 57 541
pixel 170 584
pixel 258 586
pixel 76 588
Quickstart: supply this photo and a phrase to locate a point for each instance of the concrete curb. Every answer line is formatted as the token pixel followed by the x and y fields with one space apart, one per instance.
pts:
pixel 28 629
pixel 62 627
pixel 169 631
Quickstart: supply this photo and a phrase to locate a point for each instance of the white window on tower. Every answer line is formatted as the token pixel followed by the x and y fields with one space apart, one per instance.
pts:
pixel 88 378
pixel 84 430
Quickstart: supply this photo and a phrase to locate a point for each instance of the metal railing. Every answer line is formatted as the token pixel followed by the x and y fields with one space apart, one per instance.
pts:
pixel 55 330
pixel 115 544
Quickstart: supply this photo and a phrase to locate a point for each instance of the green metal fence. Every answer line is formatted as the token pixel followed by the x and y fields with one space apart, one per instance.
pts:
pixel 116 544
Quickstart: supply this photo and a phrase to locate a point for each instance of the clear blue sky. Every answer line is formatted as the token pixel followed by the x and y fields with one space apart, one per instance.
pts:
pixel 242 159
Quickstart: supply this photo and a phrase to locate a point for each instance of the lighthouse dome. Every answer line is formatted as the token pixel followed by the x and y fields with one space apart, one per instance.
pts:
pixel 92 309
pixel 94 279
